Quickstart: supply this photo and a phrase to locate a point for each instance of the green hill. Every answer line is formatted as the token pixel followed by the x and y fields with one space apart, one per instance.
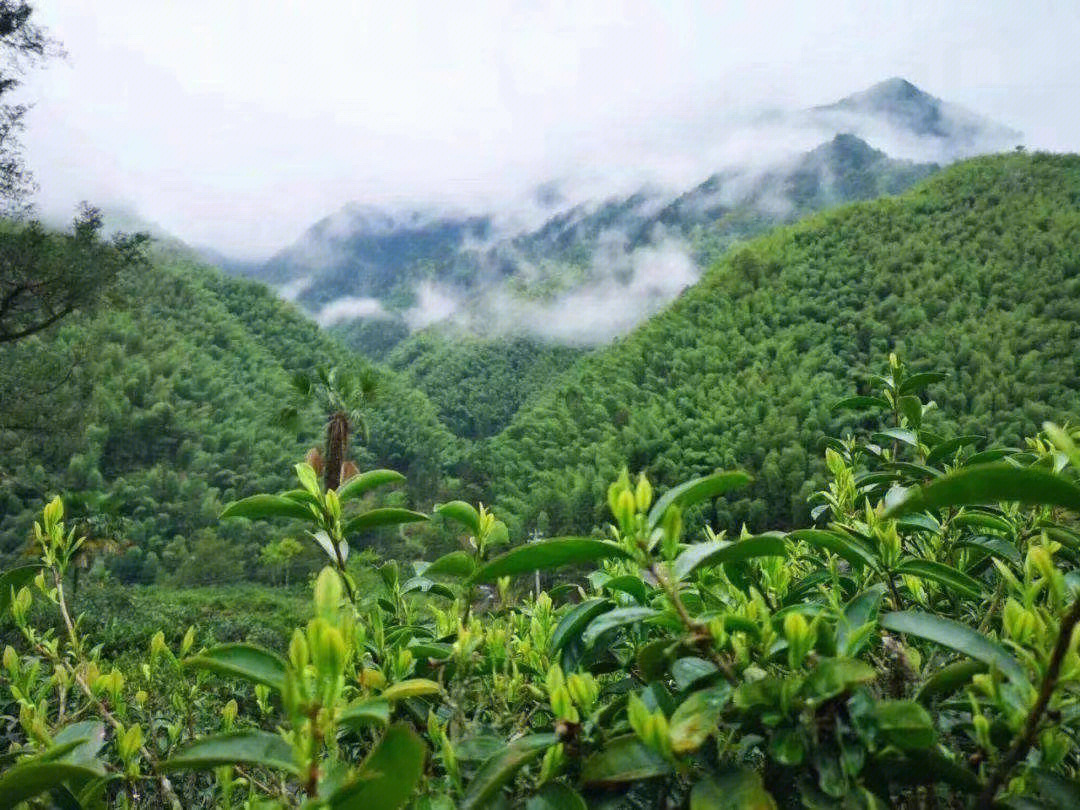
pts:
pixel 153 413
pixel 976 271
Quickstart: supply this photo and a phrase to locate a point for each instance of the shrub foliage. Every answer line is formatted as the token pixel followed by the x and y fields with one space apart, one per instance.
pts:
pixel 915 647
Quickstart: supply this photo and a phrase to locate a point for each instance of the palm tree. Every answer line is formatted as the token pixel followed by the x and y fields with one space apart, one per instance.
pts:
pixel 344 397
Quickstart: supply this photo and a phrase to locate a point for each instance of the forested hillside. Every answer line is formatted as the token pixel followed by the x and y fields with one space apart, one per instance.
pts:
pixel 977 271
pixel 478 384
pixel 152 414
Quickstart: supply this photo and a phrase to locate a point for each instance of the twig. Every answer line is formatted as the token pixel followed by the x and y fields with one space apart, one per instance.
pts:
pixel 1024 742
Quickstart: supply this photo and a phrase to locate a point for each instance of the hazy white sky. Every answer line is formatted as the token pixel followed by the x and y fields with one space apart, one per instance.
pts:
pixel 235 124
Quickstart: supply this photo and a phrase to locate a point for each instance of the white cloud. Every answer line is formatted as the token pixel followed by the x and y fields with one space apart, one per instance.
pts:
pixel 349 308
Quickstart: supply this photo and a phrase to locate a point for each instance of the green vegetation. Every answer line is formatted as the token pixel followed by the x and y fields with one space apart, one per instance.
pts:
pixel 163 408
pixel 477 384
pixel 975 269
pixel 917 648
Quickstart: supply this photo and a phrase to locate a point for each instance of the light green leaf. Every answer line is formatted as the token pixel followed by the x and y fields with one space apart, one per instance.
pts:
pixel 697 717
pixel 695 491
pixel 243 661
pixel 548 554
pixel 308 479
pixel 414 687
pixel 240 748
pixel 501 768
pixel 955 636
pixel 14 579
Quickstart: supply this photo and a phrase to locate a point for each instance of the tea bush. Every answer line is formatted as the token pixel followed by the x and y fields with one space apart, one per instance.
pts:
pixel 916 647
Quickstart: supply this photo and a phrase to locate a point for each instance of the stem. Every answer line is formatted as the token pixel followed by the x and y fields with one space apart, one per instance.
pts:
pixel 1024 742
pixel 76 647
pixel 699 633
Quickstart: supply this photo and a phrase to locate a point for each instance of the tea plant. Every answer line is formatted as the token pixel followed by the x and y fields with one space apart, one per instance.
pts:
pixel 915 647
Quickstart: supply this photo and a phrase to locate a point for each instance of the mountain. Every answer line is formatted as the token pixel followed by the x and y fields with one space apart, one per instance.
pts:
pixel 949 128
pixel 975 272
pixel 381 274
pixel 154 412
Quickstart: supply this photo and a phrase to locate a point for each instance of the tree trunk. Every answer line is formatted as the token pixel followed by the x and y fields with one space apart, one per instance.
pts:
pixel 337 442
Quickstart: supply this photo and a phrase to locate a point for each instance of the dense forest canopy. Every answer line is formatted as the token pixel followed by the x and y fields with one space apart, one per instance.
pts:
pixel 978 268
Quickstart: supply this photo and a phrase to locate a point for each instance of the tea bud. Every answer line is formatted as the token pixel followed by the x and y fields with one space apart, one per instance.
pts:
pixel 643 494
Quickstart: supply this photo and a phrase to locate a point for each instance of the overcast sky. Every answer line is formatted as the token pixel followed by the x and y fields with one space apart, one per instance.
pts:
pixel 235 124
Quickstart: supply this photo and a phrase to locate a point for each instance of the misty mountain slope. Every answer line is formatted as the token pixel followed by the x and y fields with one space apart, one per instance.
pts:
pixel 897 102
pixel 975 272
pixel 399 271
pixel 174 391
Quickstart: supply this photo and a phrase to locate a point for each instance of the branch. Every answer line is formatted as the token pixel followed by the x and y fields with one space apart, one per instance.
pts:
pixel 1024 742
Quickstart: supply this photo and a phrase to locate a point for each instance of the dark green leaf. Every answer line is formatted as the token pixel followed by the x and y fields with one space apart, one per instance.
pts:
pixel 889 435
pixel 943 574
pixel 388 776
pixel 991 483
pixel 911 408
pixel 360 485
pixel 859 404
pixel 574 622
pixel 243 661
pixel 619 617
pixel 463 513
pixel 834 676
pixel 949 678
pixel 455 564
pixel 955 636
pixel 690 670
pixel 735 790
pixel 996 546
pixel 720 552
pixel 548 554
pixel 623 759
pixel 695 491
pixel 556 796
pixel 630 584
pixel 501 768
pixel 946 450
pixel 839 544
pixel 905 723
pixel 260 507
pixel 366 712
pixel 240 748
pixel 13 580
pixel 376 518
pixel 32 778
pixel 917 382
